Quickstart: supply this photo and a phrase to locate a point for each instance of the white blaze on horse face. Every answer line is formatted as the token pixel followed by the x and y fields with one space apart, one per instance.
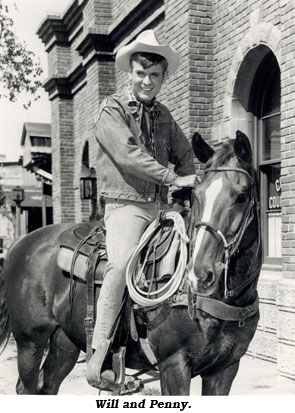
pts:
pixel 211 195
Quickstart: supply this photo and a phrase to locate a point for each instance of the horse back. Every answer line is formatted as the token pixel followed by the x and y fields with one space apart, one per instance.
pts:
pixel 36 289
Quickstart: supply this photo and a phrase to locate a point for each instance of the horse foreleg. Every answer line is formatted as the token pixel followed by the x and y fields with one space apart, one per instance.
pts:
pixel 175 375
pixel 61 359
pixel 219 384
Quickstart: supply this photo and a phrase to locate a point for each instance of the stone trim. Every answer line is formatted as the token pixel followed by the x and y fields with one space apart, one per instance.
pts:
pixel 58 87
pixel 65 86
pixel 97 42
pixel 55 28
pixel 260 34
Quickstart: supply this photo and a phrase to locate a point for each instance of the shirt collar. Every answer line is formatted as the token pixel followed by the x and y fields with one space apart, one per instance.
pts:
pixel 135 106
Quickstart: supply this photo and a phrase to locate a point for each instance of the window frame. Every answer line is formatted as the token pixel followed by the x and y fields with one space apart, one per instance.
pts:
pixel 259 93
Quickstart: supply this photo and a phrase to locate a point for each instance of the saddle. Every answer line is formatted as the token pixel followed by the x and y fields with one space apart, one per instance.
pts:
pixel 86 242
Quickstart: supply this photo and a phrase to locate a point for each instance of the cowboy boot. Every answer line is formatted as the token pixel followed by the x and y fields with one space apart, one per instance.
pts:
pixel 95 377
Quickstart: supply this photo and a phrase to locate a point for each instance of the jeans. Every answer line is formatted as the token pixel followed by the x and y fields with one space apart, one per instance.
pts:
pixel 125 223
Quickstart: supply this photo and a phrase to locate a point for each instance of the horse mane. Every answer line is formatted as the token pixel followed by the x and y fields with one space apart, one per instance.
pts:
pixel 222 155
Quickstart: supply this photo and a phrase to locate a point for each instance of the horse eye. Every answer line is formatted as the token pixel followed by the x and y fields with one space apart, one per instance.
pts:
pixel 241 198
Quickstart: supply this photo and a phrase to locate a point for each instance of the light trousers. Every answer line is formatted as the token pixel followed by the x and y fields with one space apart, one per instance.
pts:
pixel 125 222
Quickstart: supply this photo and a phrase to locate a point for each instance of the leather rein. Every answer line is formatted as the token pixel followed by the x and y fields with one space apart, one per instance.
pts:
pixel 216 308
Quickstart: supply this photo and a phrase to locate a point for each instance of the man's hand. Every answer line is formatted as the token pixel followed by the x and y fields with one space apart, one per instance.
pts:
pixel 185 181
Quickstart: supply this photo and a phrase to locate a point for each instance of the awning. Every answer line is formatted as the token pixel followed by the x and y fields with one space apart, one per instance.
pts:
pixel 46 175
pixel 33 198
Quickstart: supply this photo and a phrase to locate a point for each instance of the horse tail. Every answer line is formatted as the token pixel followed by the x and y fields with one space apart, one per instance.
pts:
pixel 5 329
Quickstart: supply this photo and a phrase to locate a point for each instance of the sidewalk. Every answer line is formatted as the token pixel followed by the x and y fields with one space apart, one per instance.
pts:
pixel 258 377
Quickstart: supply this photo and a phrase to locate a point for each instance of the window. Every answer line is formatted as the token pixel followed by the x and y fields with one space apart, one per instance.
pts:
pixel 85 155
pixel 266 105
pixel 40 141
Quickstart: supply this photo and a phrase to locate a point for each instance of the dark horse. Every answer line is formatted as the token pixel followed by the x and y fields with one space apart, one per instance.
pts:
pixel 208 340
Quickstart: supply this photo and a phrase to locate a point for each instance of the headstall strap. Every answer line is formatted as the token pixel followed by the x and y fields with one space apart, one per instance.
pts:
pixel 230 248
pixel 225 169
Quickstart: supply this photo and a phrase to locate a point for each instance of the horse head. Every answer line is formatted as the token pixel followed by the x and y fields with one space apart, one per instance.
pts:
pixel 224 208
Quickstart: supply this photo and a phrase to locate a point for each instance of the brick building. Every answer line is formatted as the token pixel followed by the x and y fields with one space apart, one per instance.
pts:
pixel 236 72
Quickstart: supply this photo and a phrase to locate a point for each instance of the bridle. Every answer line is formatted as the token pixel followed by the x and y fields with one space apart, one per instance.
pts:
pixel 231 247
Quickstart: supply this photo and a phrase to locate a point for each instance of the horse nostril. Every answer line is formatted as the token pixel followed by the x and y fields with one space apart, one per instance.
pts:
pixel 210 278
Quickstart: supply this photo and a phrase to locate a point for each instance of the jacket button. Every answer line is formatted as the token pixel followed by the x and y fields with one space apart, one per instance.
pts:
pixel 149 199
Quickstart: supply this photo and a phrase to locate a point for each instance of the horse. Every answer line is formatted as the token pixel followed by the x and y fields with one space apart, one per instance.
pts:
pixel 203 330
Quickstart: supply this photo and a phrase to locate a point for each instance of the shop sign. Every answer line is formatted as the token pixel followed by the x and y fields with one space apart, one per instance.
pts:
pixel 274 199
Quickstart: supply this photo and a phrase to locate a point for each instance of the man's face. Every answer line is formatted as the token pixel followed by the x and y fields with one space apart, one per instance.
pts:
pixel 146 83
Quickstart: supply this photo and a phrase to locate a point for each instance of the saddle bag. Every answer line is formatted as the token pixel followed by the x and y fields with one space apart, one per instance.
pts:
pixel 159 257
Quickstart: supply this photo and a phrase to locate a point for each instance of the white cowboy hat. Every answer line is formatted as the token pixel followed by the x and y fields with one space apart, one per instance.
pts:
pixel 147 42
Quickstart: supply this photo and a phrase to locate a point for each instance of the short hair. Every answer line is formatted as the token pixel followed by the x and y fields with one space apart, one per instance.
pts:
pixel 149 59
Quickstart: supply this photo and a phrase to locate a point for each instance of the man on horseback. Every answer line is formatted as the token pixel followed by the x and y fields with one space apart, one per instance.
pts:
pixel 137 137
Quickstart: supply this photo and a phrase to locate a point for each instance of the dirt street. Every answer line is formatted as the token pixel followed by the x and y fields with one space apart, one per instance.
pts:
pixel 74 384
pixel 255 377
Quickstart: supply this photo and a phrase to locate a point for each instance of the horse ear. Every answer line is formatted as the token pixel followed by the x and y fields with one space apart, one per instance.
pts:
pixel 242 148
pixel 201 149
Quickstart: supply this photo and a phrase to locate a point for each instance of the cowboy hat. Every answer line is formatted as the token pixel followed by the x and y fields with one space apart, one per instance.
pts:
pixel 148 43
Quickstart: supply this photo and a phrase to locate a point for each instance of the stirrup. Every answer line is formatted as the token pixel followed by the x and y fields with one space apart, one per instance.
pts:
pixel 118 364
pixel 127 384
pixel 118 367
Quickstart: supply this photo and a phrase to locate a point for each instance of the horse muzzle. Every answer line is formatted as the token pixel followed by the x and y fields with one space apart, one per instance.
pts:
pixel 204 280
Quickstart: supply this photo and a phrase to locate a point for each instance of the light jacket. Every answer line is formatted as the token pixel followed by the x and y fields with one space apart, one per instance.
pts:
pixel 125 168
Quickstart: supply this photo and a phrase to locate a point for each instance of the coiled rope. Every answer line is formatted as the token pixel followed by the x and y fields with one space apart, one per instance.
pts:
pixel 134 281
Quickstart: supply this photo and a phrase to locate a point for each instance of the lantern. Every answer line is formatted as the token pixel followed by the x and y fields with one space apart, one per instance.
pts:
pixel 88 186
pixel 18 194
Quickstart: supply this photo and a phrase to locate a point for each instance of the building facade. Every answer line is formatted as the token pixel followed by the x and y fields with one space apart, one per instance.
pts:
pixel 32 174
pixel 237 72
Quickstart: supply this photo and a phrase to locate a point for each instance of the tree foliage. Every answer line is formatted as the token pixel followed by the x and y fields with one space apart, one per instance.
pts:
pixel 20 68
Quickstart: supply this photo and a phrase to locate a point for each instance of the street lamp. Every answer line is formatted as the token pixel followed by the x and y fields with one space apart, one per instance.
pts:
pixel 88 186
pixel 88 190
pixel 18 195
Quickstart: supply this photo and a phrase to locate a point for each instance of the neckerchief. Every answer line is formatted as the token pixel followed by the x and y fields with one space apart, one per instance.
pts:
pixel 145 115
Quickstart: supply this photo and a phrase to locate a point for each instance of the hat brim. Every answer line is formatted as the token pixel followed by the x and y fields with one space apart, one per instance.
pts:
pixel 124 54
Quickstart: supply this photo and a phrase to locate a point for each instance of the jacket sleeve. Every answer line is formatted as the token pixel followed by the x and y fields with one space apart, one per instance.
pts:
pixel 116 139
pixel 181 153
